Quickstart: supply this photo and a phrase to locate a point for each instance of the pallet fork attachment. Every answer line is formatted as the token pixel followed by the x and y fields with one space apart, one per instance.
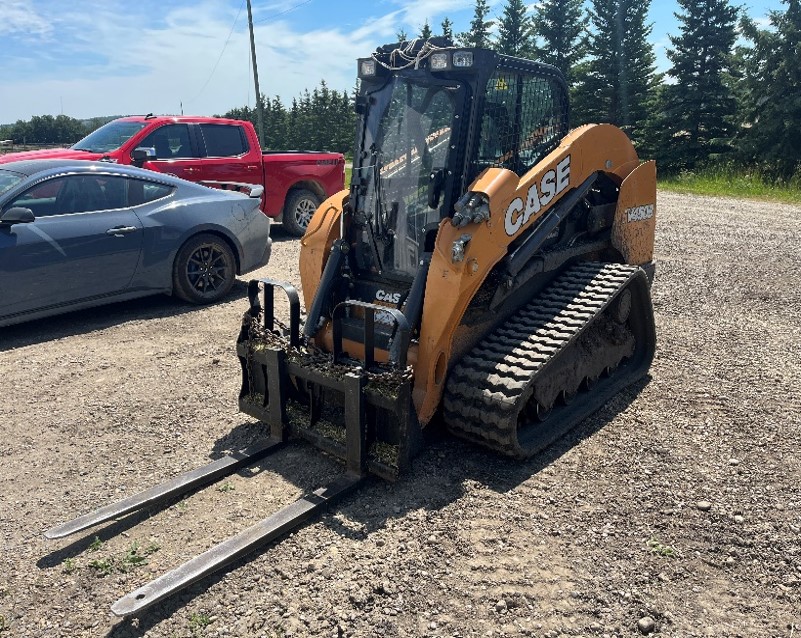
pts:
pixel 181 484
pixel 357 410
pixel 272 410
pixel 233 548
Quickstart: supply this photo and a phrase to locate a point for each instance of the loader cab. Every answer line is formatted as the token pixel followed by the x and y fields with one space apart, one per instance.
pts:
pixel 432 118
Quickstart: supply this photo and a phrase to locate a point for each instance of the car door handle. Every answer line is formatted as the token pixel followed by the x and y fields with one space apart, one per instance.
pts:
pixel 119 231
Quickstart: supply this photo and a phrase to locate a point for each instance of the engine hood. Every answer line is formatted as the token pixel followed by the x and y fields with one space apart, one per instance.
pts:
pixel 49 153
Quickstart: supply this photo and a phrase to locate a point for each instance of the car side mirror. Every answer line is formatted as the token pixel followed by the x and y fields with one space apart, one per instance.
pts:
pixel 17 215
pixel 143 154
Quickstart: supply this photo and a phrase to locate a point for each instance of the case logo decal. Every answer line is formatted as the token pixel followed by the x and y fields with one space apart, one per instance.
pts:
pixel 553 182
pixel 391 297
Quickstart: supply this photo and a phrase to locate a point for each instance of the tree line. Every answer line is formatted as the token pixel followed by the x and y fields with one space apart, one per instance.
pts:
pixel 320 119
pixel 49 129
pixel 732 93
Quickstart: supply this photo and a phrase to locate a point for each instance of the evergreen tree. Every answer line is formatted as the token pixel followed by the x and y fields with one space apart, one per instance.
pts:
pixel 479 34
pixel 304 135
pixel 293 120
pixel 770 133
pixel 447 28
pixel 620 78
pixel 402 35
pixel 279 122
pixel 515 30
pixel 425 32
pixel 322 120
pixel 698 110
pixel 559 25
pixel 345 124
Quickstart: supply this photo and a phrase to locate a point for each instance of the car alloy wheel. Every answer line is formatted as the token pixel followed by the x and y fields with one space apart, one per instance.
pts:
pixel 205 269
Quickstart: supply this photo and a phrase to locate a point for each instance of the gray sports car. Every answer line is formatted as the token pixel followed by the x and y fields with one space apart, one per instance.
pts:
pixel 80 234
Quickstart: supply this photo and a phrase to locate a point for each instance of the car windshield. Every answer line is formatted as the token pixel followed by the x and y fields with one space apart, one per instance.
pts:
pixel 109 137
pixel 8 180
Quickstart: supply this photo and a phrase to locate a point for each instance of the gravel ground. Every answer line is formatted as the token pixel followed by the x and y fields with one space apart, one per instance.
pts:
pixel 675 510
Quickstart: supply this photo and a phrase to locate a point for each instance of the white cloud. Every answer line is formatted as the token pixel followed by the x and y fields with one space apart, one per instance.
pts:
pixel 413 13
pixel 19 16
pixel 133 66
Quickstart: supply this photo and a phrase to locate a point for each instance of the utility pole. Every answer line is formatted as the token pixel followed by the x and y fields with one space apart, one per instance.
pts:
pixel 259 111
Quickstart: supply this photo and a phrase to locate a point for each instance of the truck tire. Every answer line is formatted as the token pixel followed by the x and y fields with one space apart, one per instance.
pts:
pixel 298 210
pixel 204 269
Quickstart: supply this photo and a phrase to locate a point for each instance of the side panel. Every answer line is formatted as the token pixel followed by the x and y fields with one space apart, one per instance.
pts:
pixel 61 259
pixel 635 217
pixel 515 204
pixel 282 171
pixel 315 245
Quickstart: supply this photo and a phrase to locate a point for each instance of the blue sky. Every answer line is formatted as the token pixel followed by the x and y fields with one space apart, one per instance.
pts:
pixel 104 57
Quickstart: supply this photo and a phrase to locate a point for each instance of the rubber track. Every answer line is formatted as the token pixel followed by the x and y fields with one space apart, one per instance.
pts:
pixel 487 389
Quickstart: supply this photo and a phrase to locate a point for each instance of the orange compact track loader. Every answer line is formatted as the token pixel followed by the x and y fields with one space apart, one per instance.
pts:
pixel 487 269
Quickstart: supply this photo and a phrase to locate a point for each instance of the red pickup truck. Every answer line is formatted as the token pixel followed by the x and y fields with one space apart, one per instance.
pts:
pixel 213 151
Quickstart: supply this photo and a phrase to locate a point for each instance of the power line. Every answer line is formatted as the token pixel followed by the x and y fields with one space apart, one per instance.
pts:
pixel 280 13
pixel 216 64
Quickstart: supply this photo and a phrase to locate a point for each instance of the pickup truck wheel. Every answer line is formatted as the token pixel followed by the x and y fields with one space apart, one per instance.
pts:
pixel 204 270
pixel 298 211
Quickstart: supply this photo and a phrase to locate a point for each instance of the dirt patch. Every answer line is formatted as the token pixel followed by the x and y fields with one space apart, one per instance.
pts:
pixel 679 500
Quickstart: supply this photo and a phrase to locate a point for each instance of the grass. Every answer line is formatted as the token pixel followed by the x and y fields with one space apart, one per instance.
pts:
pixel 732 182
pixel 135 556
pixel 104 566
pixel 198 622
pixel 655 546
pixel 348 174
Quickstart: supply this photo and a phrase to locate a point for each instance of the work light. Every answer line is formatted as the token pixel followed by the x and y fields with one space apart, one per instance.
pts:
pixel 440 61
pixel 462 59
pixel 366 67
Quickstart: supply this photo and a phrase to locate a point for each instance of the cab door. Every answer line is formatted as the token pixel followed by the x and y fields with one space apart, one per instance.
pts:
pixel 226 155
pixel 176 151
pixel 84 242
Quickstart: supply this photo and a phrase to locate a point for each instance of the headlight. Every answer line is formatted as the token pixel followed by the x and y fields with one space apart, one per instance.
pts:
pixel 463 59
pixel 440 61
pixel 366 67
